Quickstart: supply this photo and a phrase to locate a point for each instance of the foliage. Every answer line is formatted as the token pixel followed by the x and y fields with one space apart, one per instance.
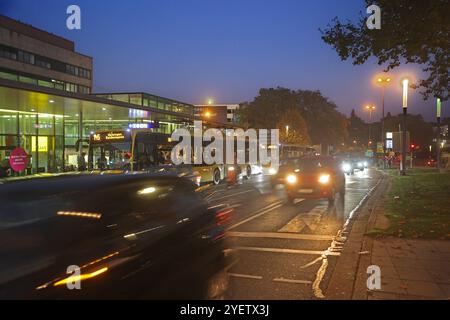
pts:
pixel 412 31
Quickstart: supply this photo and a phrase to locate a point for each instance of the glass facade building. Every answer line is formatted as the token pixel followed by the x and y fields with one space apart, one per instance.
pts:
pixel 48 123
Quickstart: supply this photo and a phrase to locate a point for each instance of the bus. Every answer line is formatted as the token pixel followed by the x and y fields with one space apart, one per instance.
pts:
pixel 132 150
pixel 142 150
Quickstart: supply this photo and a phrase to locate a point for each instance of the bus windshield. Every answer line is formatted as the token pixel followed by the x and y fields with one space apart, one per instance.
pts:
pixel 122 150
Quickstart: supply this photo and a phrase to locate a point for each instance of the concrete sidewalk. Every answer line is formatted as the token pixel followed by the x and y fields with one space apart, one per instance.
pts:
pixel 410 268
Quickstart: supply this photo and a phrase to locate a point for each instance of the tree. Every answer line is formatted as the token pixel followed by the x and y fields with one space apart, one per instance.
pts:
pixel 421 132
pixel 293 128
pixel 358 130
pixel 412 31
pixel 325 124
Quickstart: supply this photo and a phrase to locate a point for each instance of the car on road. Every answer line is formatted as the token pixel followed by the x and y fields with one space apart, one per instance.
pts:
pixel 312 177
pixel 114 236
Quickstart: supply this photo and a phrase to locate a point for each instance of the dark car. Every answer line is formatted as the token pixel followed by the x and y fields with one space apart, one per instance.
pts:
pixel 313 177
pixel 125 236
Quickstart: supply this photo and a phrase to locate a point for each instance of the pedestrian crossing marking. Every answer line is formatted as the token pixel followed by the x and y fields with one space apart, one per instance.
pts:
pixel 310 219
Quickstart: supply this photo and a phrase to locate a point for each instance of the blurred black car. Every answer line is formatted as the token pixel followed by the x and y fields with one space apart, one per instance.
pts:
pixel 117 236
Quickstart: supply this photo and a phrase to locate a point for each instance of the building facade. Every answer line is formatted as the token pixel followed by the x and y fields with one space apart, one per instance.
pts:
pixel 33 56
pixel 47 107
pixel 222 113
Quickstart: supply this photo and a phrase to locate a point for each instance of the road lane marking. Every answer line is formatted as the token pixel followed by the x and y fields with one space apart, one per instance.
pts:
pixel 292 281
pixel 319 276
pixel 281 250
pixel 310 219
pixel 259 213
pixel 232 195
pixel 246 276
pixel 278 235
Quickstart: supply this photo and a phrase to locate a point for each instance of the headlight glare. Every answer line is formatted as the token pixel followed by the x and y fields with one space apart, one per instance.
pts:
pixel 324 178
pixel 291 179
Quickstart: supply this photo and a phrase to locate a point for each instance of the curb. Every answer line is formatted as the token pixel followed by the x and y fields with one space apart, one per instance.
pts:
pixel 349 277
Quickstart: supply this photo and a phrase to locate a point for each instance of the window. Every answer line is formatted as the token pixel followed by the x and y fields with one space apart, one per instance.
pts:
pixel 26 57
pixel 43 63
pixel 27 80
pixel 8 53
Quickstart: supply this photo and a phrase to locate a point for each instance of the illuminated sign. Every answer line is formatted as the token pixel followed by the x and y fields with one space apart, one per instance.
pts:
pixel 388 135
pixel 389 144
pixel 139 125
pixel 110 136
pixel 42 144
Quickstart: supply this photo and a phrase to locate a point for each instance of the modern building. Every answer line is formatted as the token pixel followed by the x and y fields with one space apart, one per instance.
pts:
pixel 33 56
pixel 222 113
pixel 45 106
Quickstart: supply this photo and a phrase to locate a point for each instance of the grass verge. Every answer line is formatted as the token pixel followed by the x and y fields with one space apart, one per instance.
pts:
pixel 418 205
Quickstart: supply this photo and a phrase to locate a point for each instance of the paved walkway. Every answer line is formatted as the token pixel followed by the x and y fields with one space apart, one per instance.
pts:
pixel 411 269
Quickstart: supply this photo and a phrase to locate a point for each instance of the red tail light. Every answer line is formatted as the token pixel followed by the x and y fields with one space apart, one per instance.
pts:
pixel 223 216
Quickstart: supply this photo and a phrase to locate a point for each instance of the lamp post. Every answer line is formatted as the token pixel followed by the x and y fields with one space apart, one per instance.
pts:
pixel 383 82
pixel 405 84
pixel 438 139
pixel 370 108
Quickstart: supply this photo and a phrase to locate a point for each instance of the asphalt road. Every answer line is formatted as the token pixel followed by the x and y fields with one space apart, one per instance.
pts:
pixel 277 250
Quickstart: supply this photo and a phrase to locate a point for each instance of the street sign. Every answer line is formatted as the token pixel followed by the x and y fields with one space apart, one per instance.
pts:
pixel 389 144
pixel 380 147
pixel 369 153
pixel 18 160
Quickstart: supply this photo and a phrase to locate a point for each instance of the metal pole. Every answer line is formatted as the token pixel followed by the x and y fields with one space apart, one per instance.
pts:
pixel 438 140
pixel 403 164
pixel 382 126
pixel 370 127
pixel 438 143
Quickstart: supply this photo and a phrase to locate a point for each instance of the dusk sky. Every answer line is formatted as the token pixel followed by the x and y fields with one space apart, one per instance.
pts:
pixel 192 50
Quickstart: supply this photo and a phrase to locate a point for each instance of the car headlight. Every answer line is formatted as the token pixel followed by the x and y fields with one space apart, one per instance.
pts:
pixel 360 164
pixel 291 179
pixel 324 178
pixel 272 171
pixel 365 164
pixel 346 167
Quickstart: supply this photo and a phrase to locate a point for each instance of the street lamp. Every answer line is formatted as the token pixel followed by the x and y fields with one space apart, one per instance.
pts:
pixel 383 82
pixel 370 108
pixel 405 85
pixel 438 117
pixel 210 101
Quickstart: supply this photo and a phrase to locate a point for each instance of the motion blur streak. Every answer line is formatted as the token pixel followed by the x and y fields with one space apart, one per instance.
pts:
pixel 81 277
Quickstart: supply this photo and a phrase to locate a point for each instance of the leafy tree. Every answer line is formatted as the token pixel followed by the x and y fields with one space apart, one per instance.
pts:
pixel 412 31
pixel 324 123
pixel 293 128
pixel 358 130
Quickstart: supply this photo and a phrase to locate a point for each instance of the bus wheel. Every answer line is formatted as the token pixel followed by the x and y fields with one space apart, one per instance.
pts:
pixel 216 177
pixel 248 173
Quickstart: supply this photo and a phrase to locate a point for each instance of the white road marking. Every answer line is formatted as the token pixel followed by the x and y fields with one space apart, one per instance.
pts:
pixel 310 219
pixel 282 250
pixel 258 213
pixel 278 235
pixel 246 276
pixel 232 195
pixel 319 276
pixel 292 281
